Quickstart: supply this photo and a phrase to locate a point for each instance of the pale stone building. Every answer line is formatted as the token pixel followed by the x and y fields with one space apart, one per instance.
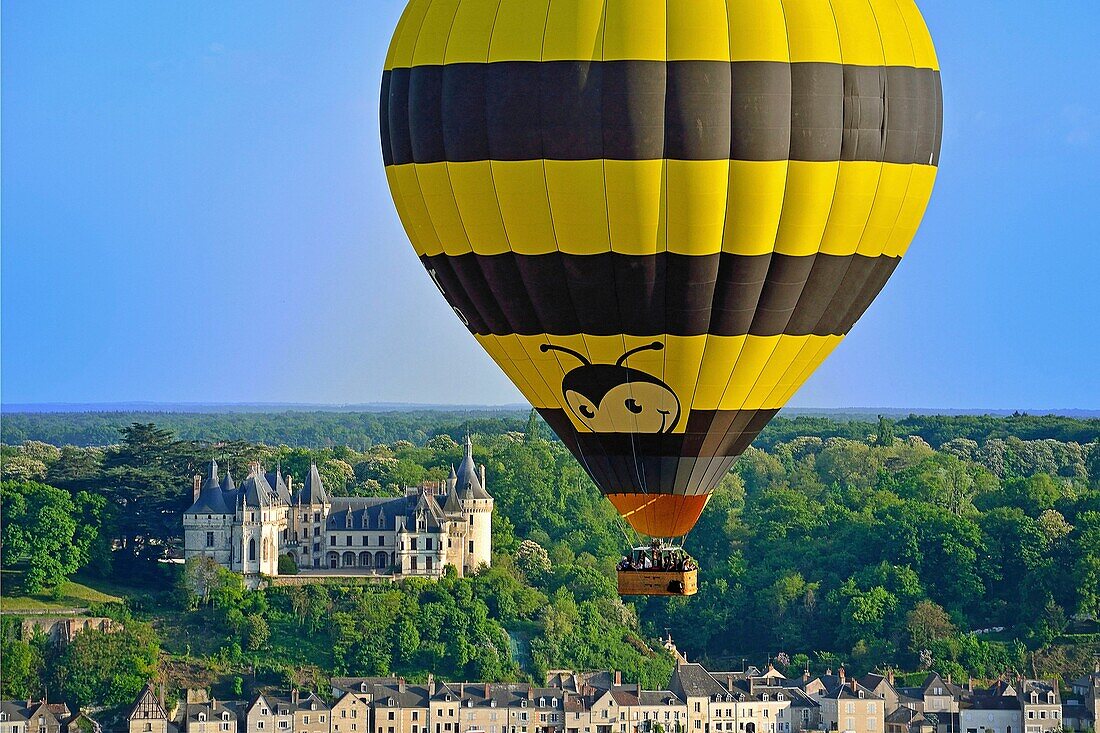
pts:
pixel 1041 705
pixel 247 528
pixel 996 710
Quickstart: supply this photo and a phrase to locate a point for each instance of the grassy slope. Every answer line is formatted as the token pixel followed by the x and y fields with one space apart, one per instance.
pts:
pixel 73 595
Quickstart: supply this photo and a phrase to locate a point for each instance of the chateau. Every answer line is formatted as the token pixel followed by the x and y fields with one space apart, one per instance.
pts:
pixel 247 528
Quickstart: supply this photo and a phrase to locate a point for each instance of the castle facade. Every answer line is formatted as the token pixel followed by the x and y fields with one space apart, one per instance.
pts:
pixel 247 528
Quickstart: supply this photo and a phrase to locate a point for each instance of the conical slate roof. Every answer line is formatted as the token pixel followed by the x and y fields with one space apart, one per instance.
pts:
pixel 313 491
pixel 257 491
pixel 211 500
pixel 276 482
pixel 467 478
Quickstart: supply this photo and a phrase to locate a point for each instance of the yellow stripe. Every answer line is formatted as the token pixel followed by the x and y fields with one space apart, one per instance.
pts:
pixel 896 45
pixel 574 31
pixel 698 30
pixel 470 33
pixel 633 206
pixel 860 42
pixel 431 42
pixel 518 33
pixel 862 32
pixel 705 372
pixel 404 40
pixel 924 52
pixel 634 29
pixel 757 30
pixel 811 31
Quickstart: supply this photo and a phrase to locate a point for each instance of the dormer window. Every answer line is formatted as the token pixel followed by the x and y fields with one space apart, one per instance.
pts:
pixel 362 687
pixel 1034 698
pixel 523 703
pixel 542 702
pixel 202 717
pixel 1050 698
pixel 390 701
pixel 469 703
pixel 861 694
pixel 492 703
pixel 779 696
pixel 553 702
pixel 225 716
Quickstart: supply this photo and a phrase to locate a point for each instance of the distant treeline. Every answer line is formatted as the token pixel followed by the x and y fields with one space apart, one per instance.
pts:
pixel 361 430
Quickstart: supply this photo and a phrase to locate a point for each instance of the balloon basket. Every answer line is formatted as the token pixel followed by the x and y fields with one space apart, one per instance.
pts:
pixel 658 582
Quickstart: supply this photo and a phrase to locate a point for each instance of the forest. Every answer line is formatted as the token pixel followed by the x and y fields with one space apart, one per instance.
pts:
pixel 968 545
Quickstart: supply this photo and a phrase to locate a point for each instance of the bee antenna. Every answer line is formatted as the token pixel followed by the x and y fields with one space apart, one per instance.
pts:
pixel 551 347
pixel 655 346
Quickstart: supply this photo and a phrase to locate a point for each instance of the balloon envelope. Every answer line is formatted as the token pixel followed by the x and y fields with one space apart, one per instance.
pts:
pixel 659 217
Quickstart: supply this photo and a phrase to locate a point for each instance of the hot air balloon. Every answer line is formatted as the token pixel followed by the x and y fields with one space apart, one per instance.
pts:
pixel 660 216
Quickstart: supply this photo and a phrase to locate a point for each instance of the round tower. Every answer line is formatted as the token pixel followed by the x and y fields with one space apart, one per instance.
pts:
pixel 477 508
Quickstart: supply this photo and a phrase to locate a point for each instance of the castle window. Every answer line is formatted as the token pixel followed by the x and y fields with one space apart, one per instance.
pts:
pixel 428 563
pixel 332 540
pixel 209 539
pixel 471 547
pixel 316 516
pixel 349 540
pixel 252 549
pixel 366 540
pixel 427 543
pixel 381 540
pixel 316 531
pixel 413 544
pixel 412 563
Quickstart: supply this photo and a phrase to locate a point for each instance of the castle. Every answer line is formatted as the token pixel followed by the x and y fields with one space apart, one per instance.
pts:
pixel 247 528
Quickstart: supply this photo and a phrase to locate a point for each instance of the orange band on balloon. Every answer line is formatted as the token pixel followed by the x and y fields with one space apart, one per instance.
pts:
pixel 660 515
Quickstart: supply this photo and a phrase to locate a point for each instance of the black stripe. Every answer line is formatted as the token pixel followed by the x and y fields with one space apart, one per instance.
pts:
pixel 649 110
pixel 674 463
pixel 652 295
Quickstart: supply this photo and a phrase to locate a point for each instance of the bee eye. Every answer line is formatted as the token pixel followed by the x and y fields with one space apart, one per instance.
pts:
pixel 587 411
pixel 633 406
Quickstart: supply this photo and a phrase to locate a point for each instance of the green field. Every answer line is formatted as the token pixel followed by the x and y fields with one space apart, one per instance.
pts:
pixel 72 595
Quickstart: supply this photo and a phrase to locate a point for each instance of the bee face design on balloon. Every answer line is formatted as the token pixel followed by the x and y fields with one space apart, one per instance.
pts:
pixel 614 398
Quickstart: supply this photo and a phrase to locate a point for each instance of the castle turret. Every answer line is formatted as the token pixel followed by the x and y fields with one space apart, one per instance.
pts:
pixel 207 525
pixel 477 509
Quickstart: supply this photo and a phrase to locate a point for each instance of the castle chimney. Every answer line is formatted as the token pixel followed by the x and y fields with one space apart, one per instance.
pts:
pixel 197 488
pixel 618 672
pixel 840 673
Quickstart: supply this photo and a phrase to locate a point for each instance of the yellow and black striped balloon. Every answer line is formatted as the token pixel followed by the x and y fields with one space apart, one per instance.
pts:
pixel 660 216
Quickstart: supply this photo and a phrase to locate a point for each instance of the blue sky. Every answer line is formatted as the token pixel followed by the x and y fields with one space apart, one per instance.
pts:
pixel 194 209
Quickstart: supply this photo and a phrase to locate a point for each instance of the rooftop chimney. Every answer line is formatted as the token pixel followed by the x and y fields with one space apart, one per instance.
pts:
pixel 855 685
pixel 530 692
pixel 805 675
pixel 197 488
pixel 890 675
pixel 483 475
pixel 618 677
pixel 290 484
pixel 431 684
pixel 840 673
pixel 949 678
pixel 729 682
pixel 401 684
pixel 294 696
pixel 486 689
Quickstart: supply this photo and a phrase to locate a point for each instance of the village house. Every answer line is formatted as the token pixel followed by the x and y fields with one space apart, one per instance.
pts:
pixel 995 710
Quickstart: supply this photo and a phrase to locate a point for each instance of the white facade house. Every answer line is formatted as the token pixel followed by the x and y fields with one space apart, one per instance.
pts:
pixel 246 529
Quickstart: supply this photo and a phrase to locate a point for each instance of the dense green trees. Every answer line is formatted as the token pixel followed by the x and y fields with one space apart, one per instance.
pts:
pixel 868 543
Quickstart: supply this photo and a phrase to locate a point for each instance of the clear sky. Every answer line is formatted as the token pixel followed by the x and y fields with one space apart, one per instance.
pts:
pixel 194 209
